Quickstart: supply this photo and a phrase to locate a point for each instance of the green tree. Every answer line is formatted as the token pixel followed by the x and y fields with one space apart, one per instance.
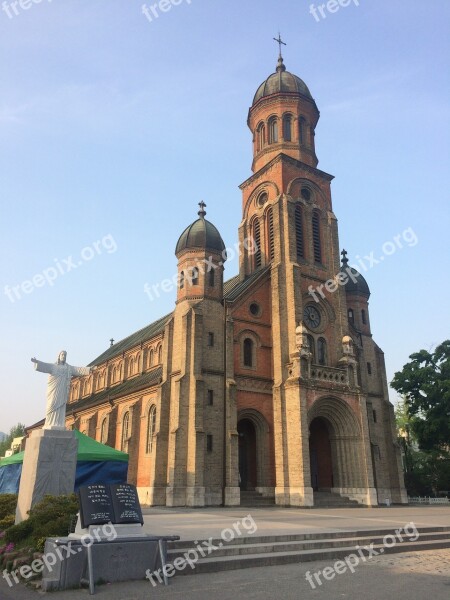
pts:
pixel 16 431
pixel 406 437
pixel 425 384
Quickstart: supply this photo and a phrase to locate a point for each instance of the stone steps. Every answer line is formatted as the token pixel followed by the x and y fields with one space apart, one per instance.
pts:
pixel 331 500
pixel 246 552
pixel 255 499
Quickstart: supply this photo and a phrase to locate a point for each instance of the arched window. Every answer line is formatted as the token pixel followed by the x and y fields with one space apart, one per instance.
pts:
pixel 181 280
pixel 351 316
pixel 248 348
pixel 317 244
pixel 151 427
pixel 104 431
pixel 160 355
pixel 86 387
pixel 261 136
pixel 194 276
pixel 151 358
pixel 211 277
pixel 363 316
pixel 287 128
pixel 257 243
pixel 299 240
pixel 125 432
pixel 270 235
pixel 132 367
pixel 273 130
pixel 302 130
pixel 322 351
pixel 312 347
pixel 101 380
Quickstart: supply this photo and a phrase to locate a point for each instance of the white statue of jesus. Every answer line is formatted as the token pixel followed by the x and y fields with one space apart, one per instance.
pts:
pixel 60 374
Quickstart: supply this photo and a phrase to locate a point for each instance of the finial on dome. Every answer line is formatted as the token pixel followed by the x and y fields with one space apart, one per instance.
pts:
pixel 280 65
pixel 344 258
pixel 202 212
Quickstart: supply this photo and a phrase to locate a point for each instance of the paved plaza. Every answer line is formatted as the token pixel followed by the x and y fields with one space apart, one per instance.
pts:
pixel 200 524
pixel 421 575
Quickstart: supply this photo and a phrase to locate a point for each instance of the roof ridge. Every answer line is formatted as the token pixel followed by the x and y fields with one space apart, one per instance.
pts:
pixel 118 348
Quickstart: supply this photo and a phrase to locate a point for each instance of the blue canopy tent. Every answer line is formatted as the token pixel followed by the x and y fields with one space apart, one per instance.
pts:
pixel 95 463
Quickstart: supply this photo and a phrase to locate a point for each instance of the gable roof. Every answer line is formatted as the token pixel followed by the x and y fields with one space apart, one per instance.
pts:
pixel 233 288
pixel 143 335
pixel 135 384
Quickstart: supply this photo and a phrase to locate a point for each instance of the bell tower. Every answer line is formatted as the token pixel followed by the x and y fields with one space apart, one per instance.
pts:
pixel 283 118
pixel 287 215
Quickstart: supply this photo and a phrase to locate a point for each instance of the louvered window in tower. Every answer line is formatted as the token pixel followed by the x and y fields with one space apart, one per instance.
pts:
pixel 270 234
pixel 316 237
pixel 257 243
pixel 300 246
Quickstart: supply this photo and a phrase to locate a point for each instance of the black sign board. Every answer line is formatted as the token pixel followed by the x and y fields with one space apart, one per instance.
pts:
pixel 101 504
pixel 125 501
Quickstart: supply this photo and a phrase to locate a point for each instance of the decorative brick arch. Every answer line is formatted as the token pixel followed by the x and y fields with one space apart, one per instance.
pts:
pixel 347 447
pixel 262 431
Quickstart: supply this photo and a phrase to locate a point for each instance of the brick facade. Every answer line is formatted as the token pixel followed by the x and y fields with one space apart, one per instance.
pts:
pixel 238 374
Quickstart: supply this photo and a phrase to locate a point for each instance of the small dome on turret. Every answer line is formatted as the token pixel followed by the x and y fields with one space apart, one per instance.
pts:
pixel 356 283
pixel 282 82
pixel 201 234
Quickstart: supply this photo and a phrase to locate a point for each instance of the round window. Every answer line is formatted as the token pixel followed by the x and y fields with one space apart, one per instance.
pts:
pixel 262 199
pixel 306 194
pixel 255 309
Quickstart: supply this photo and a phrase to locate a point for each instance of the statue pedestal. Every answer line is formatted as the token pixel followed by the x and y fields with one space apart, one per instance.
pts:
pixel 49 467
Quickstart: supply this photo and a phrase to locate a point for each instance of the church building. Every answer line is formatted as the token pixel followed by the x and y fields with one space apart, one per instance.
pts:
pixel 269 386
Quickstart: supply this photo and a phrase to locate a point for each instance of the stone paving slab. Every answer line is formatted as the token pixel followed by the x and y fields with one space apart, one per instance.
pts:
pixel 196 524
pixel 418 576
pixel 422 575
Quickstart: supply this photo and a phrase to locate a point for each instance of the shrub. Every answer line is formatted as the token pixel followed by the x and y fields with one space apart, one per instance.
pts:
pixel 40 544
pixel 8 503
pixel 49 518
pixel 7 522
pixel 18 533
pixel 57 528
pixel 54 507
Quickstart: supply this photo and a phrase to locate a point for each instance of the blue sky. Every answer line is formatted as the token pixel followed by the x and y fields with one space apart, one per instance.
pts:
pixel 113 128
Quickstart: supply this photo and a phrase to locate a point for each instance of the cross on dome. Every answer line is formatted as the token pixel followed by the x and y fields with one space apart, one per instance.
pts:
pixel 344 258
pixel 280 66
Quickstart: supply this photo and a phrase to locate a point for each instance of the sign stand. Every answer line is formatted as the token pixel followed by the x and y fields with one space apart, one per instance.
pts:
pixel 116 505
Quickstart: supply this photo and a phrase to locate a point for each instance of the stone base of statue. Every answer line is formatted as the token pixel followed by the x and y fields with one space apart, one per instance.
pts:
pixel 49 467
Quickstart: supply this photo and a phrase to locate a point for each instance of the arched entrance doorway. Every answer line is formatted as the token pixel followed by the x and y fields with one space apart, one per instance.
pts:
pixel 247 455
pixel 320 455
pixel 338 454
